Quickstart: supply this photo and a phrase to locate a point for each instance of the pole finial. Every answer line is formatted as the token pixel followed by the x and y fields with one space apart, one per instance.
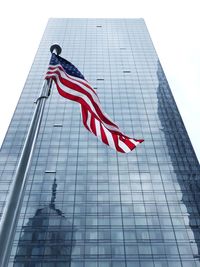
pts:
pixel 55 48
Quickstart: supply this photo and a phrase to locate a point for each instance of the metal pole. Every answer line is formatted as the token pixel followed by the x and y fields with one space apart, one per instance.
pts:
pixel 14 200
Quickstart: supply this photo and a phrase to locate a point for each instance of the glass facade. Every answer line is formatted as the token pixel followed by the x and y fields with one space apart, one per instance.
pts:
pixel 85 204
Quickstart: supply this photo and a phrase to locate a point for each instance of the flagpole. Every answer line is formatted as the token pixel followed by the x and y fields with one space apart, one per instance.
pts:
pixel 14 200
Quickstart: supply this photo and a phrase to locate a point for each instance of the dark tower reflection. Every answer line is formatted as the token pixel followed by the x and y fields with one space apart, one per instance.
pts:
pixel 186 169
pixel 47 239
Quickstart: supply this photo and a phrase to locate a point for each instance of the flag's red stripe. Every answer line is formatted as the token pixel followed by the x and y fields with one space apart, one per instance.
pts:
pixel 74 78
pixel 84 117
pixel 104 139
pixel 92 125
pixel 79 89
pixel 73 97
pixel 79 100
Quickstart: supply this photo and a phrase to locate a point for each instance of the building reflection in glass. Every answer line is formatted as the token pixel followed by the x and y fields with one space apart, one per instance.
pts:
pixel 47 239
pixel 186 170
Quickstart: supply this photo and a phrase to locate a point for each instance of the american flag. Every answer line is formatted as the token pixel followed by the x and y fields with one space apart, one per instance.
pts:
pixel 72 85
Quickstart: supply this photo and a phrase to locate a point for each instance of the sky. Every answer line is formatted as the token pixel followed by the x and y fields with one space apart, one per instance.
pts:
pixel 173 26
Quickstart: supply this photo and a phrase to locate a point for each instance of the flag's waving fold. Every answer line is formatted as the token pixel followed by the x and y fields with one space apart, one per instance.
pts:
pixel 72 85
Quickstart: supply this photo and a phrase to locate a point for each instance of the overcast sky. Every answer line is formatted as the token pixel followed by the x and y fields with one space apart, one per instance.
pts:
pixel 174 26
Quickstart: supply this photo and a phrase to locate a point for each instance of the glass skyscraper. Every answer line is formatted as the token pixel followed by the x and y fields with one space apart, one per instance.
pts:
pixel 86 205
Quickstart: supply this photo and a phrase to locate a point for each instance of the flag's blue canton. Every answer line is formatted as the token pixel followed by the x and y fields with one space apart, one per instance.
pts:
pixel 67 66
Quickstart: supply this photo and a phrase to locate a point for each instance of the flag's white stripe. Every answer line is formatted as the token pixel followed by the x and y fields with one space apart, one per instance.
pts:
pixel 92 94
pixel 72 92
pixel 109 137
pixel 89 121
pixel 98 130
pixel 73 77
pixel 81 80
pixel 123 146
pixel 82 96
